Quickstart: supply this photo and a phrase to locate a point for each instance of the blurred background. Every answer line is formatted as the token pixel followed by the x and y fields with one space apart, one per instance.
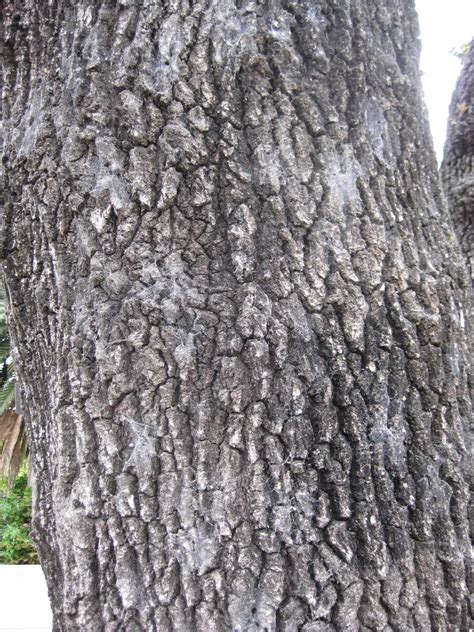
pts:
pixel 446 28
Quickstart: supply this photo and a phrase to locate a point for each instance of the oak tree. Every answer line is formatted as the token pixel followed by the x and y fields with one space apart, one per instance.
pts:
pixel 237 303
pixel 457 169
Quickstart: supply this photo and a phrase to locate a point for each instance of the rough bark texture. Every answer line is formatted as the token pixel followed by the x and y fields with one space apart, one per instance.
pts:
pixel 237 304
pixel 457 169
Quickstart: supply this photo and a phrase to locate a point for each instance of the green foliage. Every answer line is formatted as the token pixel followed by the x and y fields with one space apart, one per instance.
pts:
pixel 461 51
pixel 16 546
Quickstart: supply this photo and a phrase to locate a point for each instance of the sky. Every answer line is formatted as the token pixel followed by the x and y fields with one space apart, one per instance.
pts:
pixel 444 25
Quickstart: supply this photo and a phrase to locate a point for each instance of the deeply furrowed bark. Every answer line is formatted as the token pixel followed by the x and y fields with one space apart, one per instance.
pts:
pixel 237 303
pixel 457 170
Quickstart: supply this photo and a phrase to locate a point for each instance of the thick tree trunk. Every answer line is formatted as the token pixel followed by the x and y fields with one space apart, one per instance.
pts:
pixel 237 305
pixel 457 169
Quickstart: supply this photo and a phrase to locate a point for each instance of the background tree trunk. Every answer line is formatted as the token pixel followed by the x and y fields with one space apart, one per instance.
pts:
pixel 457 169
pixel 237 307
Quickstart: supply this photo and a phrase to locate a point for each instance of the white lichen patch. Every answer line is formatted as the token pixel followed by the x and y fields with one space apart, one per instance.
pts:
pixel 342 171
pixel 115 189
pixel 268 170
pixel 378 131
pixel 169 188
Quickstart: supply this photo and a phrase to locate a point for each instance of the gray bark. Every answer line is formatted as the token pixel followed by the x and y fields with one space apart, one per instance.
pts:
pixel 457 169
pixel 237 303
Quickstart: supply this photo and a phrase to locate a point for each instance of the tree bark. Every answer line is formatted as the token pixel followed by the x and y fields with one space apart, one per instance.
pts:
pixel 457 169
pixel 237 305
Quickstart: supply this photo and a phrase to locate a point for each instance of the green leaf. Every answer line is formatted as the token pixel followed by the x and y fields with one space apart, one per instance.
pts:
pixel 16 546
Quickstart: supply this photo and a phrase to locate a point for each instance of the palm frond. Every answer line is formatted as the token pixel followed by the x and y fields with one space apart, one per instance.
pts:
pixel 2 303
pixel 4 336
pixel 7 393
pixel 7 370
pixel 4 350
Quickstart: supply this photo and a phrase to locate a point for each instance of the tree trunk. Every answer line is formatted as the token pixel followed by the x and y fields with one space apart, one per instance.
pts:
pixel 457 169
pixel 236 301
